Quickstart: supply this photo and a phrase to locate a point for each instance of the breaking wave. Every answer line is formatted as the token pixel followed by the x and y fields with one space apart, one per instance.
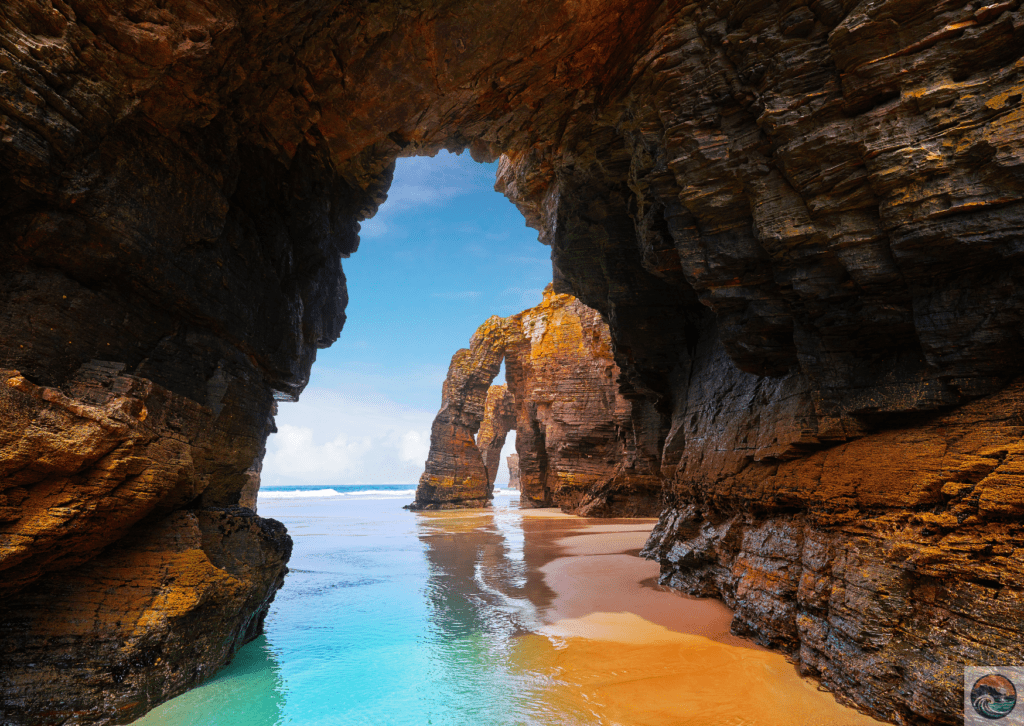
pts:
pixel 336 493
pixel 353 493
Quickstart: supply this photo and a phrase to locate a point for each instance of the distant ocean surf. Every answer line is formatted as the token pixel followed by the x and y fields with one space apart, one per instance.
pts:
pixel 353 491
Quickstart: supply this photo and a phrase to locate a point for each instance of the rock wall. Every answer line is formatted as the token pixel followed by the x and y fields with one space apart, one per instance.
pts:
pixel 513 472
pixel 155 614
pixel 456 474
pixel 122 586
pixel 801 221
pixel 820 232
pixel 580 445
pixel 499 419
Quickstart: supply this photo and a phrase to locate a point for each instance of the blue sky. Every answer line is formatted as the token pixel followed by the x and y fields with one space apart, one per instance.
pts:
pixel 443 253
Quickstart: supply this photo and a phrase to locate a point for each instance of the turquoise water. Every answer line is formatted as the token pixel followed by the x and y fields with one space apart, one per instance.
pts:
pixel 383 619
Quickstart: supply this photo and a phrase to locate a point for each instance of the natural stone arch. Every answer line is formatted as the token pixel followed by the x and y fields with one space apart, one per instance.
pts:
pixel 499 419
pixel 580 445
pixel 456 474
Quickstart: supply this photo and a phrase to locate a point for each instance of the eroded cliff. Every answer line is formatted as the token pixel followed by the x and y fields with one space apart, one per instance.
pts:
pixel 801 221
pixel 580 445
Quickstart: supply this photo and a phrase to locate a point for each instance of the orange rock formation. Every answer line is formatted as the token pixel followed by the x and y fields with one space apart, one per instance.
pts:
pixel 576 444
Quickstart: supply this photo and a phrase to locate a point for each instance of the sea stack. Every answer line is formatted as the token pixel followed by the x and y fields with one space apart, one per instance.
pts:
pixel 578 442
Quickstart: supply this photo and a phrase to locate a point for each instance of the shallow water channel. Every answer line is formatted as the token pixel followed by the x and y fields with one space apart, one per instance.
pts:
pixel 488 618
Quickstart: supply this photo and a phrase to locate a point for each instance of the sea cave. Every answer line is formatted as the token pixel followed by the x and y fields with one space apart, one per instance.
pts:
pixel 798 222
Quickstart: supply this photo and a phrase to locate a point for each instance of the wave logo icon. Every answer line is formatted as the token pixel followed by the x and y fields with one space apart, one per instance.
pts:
pixel 993 696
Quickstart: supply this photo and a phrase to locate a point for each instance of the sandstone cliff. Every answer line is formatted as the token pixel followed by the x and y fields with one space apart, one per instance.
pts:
pixel 513 471
pixel 456 475
pixel 499 419
pixel 801 221
pixel 580 445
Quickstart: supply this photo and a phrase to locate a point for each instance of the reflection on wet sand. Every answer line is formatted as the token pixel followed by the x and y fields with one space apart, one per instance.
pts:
pixel 585 636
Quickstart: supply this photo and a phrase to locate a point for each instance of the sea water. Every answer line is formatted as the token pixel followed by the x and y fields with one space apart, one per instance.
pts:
pixel 493 617
pixel 383 619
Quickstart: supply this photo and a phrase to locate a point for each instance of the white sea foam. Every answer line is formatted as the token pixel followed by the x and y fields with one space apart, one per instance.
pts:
pixel 270 493
pixel 334 494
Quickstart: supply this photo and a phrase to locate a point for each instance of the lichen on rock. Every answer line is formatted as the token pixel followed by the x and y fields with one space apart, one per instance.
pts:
pixel 576 443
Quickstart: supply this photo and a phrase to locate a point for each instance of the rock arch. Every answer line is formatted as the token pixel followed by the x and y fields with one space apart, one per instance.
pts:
pixel 578 442
pixel 801 222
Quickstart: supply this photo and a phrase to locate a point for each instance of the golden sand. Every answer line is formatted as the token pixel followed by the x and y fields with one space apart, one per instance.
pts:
pixel 631 654
pixel 616 649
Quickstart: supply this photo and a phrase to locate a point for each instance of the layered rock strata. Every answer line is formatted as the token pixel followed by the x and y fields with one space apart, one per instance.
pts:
pixel 155 614
pixel 513 471
pixel 800 221
pixel 499 419
pixel 580 445
pixel 455 474
pixel 830 277
pixel 121 586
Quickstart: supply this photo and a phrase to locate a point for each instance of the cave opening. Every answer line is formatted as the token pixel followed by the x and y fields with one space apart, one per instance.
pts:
pixel 801 222
pixel 443 254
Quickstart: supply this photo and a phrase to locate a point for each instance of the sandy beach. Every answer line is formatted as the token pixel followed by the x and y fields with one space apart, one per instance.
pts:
pixel 496 617
pixel 619 650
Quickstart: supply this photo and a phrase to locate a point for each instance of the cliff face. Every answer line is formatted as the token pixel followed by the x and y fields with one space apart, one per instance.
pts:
pixel 456 474
pixel 578 442
pixel 156 613
pixel 121 587
pixel 821 239
pixel 582 446
pixel 499 419
pixel 801 222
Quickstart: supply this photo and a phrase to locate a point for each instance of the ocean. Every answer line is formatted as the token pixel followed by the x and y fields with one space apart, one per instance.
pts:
pixel 499 617
pixel 382 620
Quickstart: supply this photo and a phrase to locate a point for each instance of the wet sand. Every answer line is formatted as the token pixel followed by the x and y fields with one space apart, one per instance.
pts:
pixel 615 649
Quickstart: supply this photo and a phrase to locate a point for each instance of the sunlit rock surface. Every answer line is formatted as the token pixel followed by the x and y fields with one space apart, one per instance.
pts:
pixel 513 471
pixel 499 419
pixel 456 475
pixel 580 445
pixel 800 221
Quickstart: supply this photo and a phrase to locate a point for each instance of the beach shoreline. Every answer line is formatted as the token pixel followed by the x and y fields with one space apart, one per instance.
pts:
pixel 624 650
pixel 491 617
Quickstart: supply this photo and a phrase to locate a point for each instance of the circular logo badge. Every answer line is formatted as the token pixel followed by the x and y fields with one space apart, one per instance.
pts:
pixel 993 696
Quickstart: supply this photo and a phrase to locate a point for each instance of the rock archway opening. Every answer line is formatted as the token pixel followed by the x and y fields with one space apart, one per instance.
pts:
pixel 507 475
pixel 442 254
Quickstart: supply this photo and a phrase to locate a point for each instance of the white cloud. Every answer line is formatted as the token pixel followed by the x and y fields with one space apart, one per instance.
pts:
pixel 414 447
pixel 405 195
pixel 522 298
pixel 424 180
pixel 374 228
pixel 421 181
pixel 297 453
pixel 333 440
pixel 329 438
